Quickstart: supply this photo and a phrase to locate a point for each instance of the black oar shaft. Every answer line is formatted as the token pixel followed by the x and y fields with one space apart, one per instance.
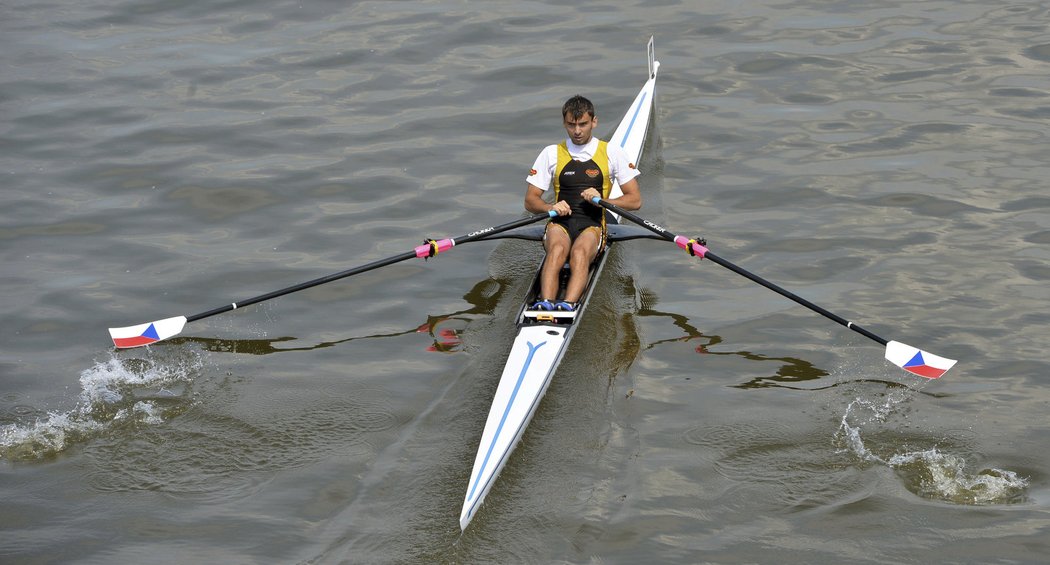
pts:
pixel 788 294
pixel 442 244
pixel 745 273
pixel 305 285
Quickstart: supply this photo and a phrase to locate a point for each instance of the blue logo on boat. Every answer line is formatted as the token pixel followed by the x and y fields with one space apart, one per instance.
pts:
pixel 506 411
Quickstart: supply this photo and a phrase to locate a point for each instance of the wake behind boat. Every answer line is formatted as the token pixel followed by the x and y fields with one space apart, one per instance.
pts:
pixel 543 336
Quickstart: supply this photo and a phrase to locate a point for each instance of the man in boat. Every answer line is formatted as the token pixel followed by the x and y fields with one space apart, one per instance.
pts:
pixel 580 168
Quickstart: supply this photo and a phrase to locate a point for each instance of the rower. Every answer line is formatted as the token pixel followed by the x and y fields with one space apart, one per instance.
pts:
pixel 580 168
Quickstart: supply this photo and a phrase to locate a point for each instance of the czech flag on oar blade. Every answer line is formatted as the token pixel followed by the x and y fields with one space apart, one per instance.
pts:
pixel 916 361
pixel 145 334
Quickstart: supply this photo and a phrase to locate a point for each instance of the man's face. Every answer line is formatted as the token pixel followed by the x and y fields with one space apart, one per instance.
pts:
pixel 579 129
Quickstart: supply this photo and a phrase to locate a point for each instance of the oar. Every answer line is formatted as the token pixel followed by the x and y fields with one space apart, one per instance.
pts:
pixel 906 357
pixel 152 332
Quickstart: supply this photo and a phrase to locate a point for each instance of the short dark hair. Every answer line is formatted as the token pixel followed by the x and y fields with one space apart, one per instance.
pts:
pixel 577 106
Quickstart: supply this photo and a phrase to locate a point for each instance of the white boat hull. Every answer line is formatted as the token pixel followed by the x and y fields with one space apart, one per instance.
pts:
pixel 533 359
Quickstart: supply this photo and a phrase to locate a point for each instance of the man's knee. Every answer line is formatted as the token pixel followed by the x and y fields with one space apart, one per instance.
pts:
pixel 556 240
pixel 583 251
pixel 558 248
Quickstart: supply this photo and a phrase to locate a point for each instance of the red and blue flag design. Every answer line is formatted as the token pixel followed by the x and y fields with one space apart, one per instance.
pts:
pixel 916 361
pixel 145 334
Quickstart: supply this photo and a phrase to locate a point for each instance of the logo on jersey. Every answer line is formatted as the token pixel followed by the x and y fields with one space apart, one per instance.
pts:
pixel 631 166
pixel 593 173
pixel 532 172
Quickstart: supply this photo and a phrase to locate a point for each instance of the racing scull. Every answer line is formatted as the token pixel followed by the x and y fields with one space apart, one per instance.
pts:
pixel 543 337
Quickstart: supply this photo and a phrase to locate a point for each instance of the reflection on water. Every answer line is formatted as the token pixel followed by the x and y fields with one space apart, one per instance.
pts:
pixel 446 329
pixel 793 370
pixel 942 469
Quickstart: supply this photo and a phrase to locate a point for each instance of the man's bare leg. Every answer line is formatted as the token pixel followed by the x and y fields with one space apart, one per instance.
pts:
pixel 556 242
pixel 580 257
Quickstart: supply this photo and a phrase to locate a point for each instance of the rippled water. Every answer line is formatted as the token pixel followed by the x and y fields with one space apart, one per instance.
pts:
pixel 884 160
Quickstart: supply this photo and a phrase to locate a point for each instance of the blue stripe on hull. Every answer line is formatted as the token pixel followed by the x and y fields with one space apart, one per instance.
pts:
pixel 634 117
pixel 503 420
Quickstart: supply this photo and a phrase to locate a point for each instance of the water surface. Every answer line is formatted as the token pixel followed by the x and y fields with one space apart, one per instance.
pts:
pixel 886 161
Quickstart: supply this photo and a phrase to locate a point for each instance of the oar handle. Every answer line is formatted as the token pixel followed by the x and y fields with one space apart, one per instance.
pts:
pixel 699 249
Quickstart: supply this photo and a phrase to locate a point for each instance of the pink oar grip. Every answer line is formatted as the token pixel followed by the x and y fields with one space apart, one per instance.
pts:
pixel 434 247
pixel 691 246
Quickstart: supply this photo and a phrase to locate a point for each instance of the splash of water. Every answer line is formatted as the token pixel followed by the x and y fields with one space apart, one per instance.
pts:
pixel 944 476
pixel 929 473
pixel 118 391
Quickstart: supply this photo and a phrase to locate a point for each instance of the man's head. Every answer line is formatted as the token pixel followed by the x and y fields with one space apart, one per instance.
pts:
pixel 579 119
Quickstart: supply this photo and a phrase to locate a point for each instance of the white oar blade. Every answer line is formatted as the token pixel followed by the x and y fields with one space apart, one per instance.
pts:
pixel 145 334
pixel 917 361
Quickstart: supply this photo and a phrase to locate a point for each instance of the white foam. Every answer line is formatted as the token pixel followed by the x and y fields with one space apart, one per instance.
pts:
pixel 43 436
pixel 944 476
pixel 107 381
pixel 930 473
pixel 106 396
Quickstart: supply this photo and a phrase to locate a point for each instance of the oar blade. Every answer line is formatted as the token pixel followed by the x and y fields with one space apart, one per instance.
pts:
pixel 917 361
pixel 145 334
